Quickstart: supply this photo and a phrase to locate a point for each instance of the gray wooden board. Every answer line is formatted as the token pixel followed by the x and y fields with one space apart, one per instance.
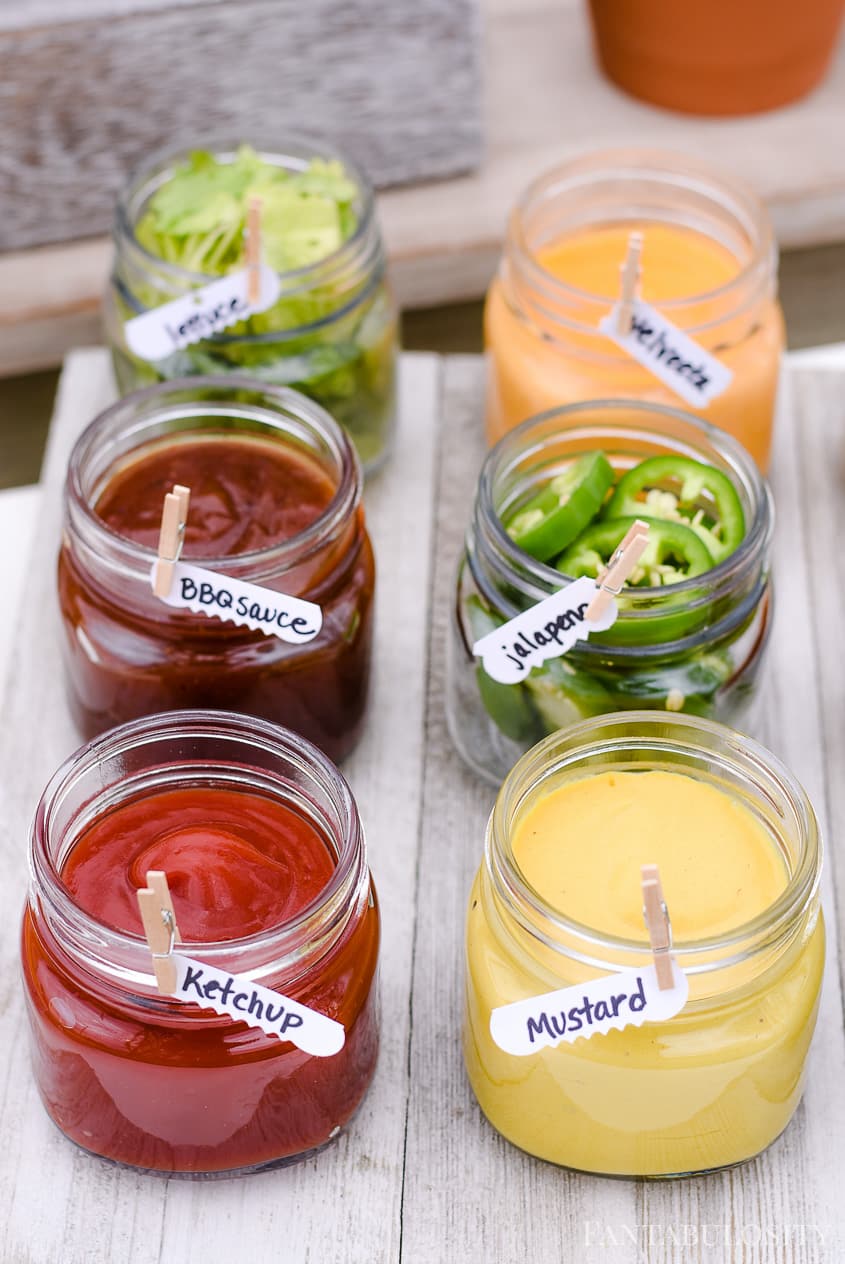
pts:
pixel 420 1176
pixel 396 82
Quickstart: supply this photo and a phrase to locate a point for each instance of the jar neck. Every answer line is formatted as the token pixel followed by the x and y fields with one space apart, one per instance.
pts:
pixel 196 749
pixel 201 408
pixel 688 745
pixel 347 274
pixel 626 431
pixel 634 188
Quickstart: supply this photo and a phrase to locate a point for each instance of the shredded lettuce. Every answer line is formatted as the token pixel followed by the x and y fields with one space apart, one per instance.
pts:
pixel 197 218
pixel 334 338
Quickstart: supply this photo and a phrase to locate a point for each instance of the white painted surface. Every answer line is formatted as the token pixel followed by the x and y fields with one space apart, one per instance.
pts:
pixel 421 1177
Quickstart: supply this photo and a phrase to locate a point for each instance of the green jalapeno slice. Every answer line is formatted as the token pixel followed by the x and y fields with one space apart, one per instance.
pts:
pixel 678 489
pixel 551 520
pixel 507 705
pixel 673 553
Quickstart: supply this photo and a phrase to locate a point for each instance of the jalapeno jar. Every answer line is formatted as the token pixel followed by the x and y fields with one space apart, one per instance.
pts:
pixel 275 501
pixel 263 849
pixel 708 264
pixel 695 645
pixel 557 903
pixel 331 333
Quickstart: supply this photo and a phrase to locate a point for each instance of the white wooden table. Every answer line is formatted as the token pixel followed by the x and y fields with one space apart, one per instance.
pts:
pixel 420 1176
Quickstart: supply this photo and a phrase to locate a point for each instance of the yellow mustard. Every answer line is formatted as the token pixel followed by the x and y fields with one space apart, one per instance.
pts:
pixel 558 902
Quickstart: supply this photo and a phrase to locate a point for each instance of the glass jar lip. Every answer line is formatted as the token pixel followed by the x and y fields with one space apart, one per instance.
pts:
pixel 801 886
pixel 757 536
pixel 351 851
pixel 638 162
pixel 280 148
pixel 300 407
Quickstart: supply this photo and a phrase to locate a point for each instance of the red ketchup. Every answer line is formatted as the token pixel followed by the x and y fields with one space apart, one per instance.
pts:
pixel 267 509
pixel 163 1084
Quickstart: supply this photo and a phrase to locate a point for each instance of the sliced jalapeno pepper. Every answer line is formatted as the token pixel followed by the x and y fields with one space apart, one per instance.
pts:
pixel 563 695
pixel 559 511
pixel 507 705
pixel 678 489
pixel 674 552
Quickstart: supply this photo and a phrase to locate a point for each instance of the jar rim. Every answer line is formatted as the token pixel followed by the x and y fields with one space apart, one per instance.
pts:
pixel 141 406
pixel 515 564
pixel 733 196
pixel 647 730
pixel 349 842
pixel 282 151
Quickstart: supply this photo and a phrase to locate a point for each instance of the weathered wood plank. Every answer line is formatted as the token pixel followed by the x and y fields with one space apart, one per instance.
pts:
pixel 396 82
pixel 786 1206
pixel 344 1205
pixel 463 1183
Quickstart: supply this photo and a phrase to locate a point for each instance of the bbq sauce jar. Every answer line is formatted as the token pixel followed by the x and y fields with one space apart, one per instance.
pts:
pixel 695 645
pixel 264 853
pixel 275 502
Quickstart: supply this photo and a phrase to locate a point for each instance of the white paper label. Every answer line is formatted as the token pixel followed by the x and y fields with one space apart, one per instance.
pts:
pixel 249 605
pixel 679 362
pixel 208 310
pixel 257 1006
pixel 626 999
pixel 547 630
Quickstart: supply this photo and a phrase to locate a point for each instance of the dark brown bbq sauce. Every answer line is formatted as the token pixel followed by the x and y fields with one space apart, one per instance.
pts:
pixel 129 655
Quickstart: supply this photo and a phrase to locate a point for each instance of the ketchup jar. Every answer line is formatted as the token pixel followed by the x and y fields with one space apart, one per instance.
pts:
pixel 275 502
pixel 262 846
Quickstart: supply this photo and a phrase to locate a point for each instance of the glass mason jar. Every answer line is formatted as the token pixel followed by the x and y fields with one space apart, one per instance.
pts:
pixel 695 646
pixel 332 334
pixel 709 265
pixel 710 1087
pixel 151 1081
pixel 128 654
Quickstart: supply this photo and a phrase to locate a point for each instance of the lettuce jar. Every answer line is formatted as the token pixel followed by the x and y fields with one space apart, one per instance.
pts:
pixel 181 223
pixel 693 646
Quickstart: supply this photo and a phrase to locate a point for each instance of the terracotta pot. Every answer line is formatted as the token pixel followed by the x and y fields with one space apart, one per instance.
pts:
pixel 716 56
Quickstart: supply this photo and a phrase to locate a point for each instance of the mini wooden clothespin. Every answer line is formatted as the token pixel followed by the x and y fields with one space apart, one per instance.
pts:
pixel 253 251
pixel 174 517
pixel 656 917
pixel 618 569
pixel 630 270
pixel 160 928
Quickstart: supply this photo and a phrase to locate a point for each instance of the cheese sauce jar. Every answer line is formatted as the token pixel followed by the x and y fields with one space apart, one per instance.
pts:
pixel 264 853
pixel 557 903
pixel 709 265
